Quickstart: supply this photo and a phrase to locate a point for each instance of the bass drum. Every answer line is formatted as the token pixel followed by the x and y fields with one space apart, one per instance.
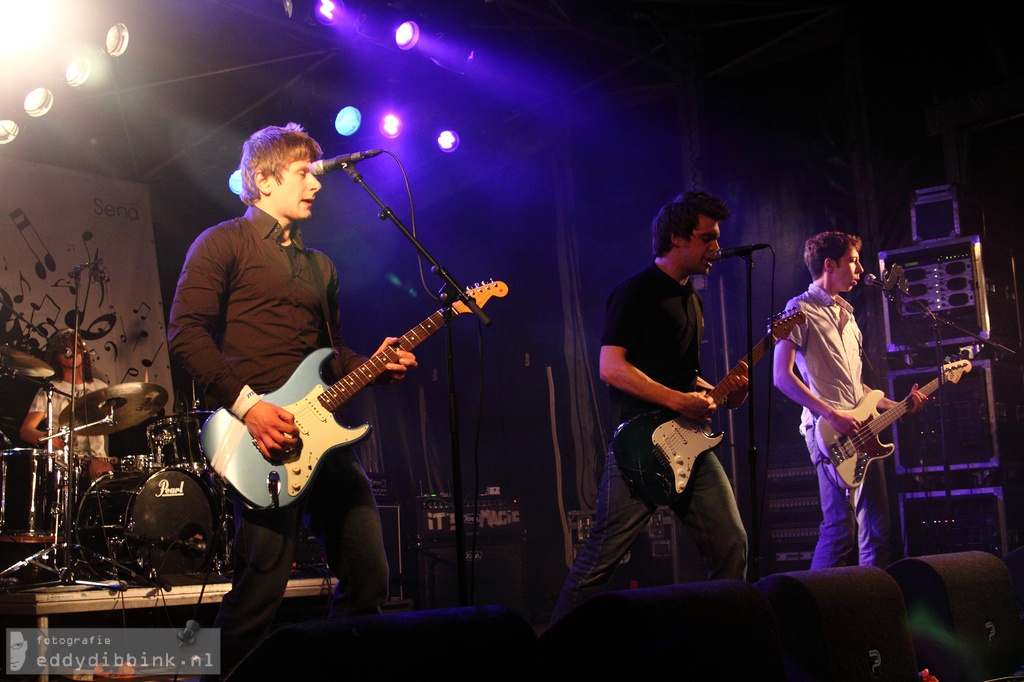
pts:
pixel 159 523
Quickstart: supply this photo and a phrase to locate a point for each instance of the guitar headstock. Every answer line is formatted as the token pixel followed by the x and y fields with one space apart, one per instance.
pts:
pixel 481 293
pixel 952 371
pixel 783 323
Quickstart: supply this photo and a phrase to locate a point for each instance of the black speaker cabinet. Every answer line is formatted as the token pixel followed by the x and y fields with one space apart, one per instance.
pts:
pixel 844 623
pixel 709 631
pixel 1015 562
pixel 495 573
pixel 472 643
pixel 963 615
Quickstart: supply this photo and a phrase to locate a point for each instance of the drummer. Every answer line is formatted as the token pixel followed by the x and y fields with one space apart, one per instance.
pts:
pixel 91 450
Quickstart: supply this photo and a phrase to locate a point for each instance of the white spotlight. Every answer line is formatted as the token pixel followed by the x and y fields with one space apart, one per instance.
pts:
pixel 117 40
pixel 38 102
pixel 78 71
pixel 8 130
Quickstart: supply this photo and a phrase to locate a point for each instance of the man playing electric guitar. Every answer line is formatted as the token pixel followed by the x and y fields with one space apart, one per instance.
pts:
pixel 828 352
pixel 650 358
pixel 251 303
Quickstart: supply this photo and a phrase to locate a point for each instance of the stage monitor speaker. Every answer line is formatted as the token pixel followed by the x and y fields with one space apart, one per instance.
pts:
pixel 963 615
pixel 469 643
pixel 495 571
pixel 709 631
pixel 844 623
pixel 1015 563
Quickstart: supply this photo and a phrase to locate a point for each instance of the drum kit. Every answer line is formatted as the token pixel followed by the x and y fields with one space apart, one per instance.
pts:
pixel 155 516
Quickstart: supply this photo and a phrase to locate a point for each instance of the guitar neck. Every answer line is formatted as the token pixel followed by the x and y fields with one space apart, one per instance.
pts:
pixel 365 374
pixel 888 417
pixel 719 392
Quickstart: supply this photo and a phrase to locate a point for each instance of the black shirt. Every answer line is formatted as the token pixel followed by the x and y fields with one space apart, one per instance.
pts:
pixel 660 323
pixel 246 313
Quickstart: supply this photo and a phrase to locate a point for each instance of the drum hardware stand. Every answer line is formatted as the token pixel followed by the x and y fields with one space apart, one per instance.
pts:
pixel 64 571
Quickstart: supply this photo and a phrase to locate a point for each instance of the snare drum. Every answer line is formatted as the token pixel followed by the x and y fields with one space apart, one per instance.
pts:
pixel 174 440
pixel 159 523
pixel 145 464
pixel 28 493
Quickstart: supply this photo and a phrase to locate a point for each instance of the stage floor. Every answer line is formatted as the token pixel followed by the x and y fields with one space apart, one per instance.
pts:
pixel 44 602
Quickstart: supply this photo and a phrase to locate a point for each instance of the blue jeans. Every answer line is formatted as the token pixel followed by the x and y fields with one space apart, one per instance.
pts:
pixel 844 529
pixel 343 515
pixel 707 508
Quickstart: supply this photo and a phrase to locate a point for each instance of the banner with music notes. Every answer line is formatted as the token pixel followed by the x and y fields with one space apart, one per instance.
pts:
pixel 79 248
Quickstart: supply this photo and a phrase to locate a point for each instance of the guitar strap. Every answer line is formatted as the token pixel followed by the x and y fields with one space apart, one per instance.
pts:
pixel 322 290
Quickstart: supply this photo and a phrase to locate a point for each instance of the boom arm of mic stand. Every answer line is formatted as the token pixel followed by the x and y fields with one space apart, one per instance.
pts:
pixel 453 291
pixel 895 295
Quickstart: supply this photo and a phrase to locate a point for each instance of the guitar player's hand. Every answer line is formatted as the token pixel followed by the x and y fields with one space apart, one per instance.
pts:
pixel 272 428
pixel 395 371
pixel 696 406
pixel 917 400
pixel 843 422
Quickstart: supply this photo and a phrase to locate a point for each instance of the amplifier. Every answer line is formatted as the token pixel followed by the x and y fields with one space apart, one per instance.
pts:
pixel 979 519
pixel 490 515
pixel 967 282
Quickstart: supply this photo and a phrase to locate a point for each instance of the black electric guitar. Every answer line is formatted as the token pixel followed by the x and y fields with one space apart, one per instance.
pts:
pixel 656 451
pixel 851 455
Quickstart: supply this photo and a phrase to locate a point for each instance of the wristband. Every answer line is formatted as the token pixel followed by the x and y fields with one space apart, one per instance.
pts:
pixel 244 402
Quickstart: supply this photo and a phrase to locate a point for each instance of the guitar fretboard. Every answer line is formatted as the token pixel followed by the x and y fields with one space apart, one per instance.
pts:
pixel 363 375
pixel 785 326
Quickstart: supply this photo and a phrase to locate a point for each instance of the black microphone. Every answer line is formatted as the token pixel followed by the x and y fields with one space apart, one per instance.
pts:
pixel 871 280
pixel 738 251
pixel 327 165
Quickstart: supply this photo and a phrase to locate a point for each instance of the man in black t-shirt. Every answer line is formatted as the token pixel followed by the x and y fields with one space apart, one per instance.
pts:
pixel 650 360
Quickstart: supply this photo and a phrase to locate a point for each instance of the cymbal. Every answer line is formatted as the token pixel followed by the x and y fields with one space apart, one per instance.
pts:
pixel 132 403
pixel 23 363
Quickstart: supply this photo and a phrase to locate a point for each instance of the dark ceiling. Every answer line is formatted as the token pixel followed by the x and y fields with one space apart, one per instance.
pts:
pixel 196 69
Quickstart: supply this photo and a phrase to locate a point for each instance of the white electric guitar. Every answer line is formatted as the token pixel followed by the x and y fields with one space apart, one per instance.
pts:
pixel 851 455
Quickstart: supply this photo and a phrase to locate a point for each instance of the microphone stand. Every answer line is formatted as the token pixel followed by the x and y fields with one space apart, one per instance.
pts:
pixel 754 572
pixel 896 294
pixel 451 292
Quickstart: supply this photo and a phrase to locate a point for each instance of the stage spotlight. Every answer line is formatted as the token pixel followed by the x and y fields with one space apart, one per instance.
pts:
pixel 329 12
pixel 38 102
pixel 390 126
pixel 448 141
pixel 8 130
pixel 287 5
pixel 235 182
pixel 407 35
pixel 78 71
pixel 117 40
pixel 348 120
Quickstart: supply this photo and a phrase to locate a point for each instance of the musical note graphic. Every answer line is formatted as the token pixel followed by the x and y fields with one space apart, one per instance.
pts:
pixel 23 224
pixel 143 334
pixel 142 311
pixel 49 318
pixel 20 297
pixel 148 362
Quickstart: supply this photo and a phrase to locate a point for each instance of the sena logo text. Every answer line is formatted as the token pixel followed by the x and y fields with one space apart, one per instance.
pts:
pixel 105 209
